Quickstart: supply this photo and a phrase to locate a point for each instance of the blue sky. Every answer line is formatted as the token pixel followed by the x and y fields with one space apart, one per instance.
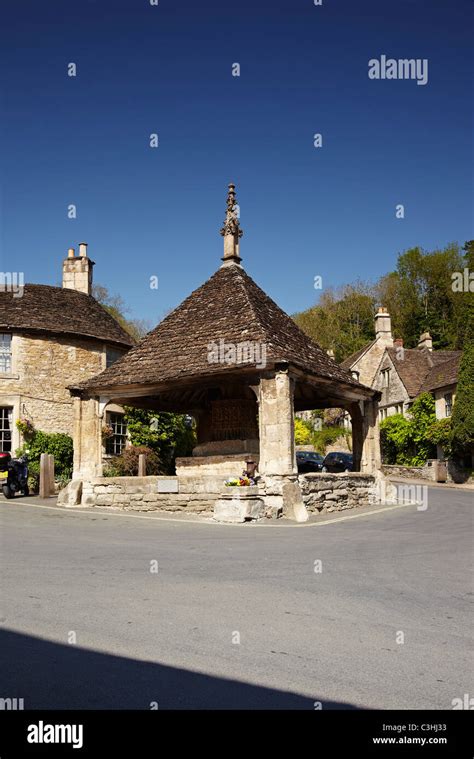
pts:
pixel 305 211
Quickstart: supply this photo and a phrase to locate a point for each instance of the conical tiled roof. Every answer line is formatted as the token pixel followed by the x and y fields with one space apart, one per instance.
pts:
pixel 229 307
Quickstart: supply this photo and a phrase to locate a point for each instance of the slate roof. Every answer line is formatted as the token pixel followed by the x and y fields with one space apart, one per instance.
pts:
pixel 419 369
pixel 442 374
pixel 228 306
pixel 43 308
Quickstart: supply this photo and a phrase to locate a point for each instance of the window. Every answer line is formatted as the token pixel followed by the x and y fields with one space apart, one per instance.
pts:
pixel 111 356
pixel 116 442
pixel 5 353
pixel 448 404
pixel 6 423
pixel 355 375
pixel 385 375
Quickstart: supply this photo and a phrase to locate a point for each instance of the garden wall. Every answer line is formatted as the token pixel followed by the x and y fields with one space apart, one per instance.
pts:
pixel 326 492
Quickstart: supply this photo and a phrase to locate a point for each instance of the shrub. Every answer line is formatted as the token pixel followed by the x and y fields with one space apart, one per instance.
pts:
pixel 328 436
pixel 170 435
pixel 302 432
pixel 440 433
pixel 58 444
pixel 126 465
pixel 405 440
pixel 463 409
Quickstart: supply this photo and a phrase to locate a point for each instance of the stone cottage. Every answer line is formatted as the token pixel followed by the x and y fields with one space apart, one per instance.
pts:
pixel 50 337
pixel 233 360
pixel 401 374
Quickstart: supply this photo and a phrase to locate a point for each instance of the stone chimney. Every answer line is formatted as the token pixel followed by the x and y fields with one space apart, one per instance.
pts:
pixel 425 342
pixel 77 270
pixel 383 327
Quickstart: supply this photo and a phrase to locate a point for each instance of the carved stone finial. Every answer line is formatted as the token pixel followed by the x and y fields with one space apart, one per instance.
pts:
pixel 231 231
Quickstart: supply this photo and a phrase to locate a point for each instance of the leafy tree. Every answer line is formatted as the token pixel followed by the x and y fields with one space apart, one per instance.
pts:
pixel 302 432
pixel 342 321
pixel 463 409
pixel 420 297
pixel 406 440
pixel 395 440
pixel 117 308
pixel 170 435
pixel 440 433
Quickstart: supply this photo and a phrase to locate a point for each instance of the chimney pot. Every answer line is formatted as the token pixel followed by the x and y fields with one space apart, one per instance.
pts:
pixel 425 341
pixel 70 253
pixel 83 249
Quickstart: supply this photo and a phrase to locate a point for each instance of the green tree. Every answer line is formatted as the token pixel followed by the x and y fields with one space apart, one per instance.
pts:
pixel 463 409
pixel 342 321
pixel 406 440
pixel 302 432
pixel 117 308
pixel 170 435
pixel 420 297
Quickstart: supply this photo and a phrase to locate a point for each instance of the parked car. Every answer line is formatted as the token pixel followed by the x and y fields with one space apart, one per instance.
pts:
pixel 308 461
pixel 338 462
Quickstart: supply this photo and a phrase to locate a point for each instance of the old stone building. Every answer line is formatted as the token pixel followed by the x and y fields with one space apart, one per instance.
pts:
pixel 231 358
pixel 50 337
pixel 401 374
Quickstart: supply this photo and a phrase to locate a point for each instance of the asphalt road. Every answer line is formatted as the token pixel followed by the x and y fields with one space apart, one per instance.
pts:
pixel 237 616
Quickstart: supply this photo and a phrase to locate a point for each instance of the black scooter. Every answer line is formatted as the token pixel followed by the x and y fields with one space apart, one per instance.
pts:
pixel 17 479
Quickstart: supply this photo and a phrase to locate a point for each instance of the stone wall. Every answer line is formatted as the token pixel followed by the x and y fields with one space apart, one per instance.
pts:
pixel 326 492
pixel 42 367
pixel 412 472
pixel 137 494
pixel 427 471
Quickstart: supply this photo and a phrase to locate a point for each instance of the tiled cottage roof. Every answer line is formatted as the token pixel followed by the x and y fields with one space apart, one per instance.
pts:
pixel 228 307
pixel 414 366
pixel 43 308
pixel 442 374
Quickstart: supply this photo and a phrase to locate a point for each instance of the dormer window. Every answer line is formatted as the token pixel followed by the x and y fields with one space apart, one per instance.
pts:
pixel 355 375
pixel 5 353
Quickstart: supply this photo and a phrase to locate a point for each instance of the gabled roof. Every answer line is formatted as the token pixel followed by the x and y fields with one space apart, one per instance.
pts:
pixel 354 357
pixel 229 307
pixel 43 308
pixel 442 374
pixel 414 365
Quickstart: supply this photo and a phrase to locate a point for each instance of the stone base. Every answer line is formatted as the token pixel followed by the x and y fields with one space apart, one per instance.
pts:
pixel 239 505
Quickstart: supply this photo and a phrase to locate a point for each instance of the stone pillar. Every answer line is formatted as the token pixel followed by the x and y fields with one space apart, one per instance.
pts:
pixel 276 425
pixel 357 423
pixel 277 461
pixel 87 437
pixel 371 461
